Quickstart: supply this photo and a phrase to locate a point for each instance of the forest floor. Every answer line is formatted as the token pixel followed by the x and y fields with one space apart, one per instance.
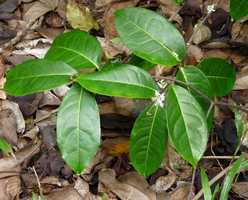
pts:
pixel 28 123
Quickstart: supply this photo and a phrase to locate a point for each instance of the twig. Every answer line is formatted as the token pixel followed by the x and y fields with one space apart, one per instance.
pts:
pixel 221 157
pixel 38 181
pixel 220 103
pixel 212 151
pixel 212 181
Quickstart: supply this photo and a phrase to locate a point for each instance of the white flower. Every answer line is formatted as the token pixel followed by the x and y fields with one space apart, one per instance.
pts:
pixel 159 99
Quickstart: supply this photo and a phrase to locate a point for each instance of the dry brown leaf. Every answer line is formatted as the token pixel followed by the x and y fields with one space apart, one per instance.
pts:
pixel 194 55
pixel 109 25
pixel 122 190
pixel 10 188
pixel 9 163
pixel 68 193
pixel 182 192
pixel 116 146
pixel 241 188
pixel 241 82
pixel 80 16
pixel 40 8
pixel 201 34
pixel 164 183
pixel 139 182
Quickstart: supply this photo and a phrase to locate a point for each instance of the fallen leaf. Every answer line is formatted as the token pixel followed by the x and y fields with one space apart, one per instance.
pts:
pixel 109 25
pixel 10 188
pixel 182 192
pixel 116 146
pixel 39 8
pixel 164 183
pixel 49 99
pixel 68 193
pixel 139 182
pixel 122 190
pixel 242 80
pixel 8 105
pixel 9 5
pixel 9 163
pixel 80 16
pixel 240 188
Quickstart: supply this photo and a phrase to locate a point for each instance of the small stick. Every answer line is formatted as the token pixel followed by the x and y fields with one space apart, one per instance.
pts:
pixel 192 184
pixel 38 181
pixel 221 157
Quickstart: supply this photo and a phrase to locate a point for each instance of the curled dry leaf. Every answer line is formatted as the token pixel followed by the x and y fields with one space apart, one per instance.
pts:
pixel 201 34
pixel 194 55
pixel 80 16
pixel 116 146
pixel 164 183
pixel 8 105
pixel 182 192
pixel 40 8
pixel 122 190
pixel 61 91
pixel 49 99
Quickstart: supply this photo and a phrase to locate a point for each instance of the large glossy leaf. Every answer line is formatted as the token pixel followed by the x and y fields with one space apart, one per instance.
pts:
pixel 198 85
pixel 220 73
pixel 148 140
pixel 120 80
pixel 186 123
pixel 78 128
pixel 238 165
pixel 36 76
pixel 238 8
pixel 150 36
pixel 76 48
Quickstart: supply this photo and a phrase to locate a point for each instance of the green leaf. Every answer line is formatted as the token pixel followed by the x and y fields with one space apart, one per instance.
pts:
pixel 148 140
pixel 76 48
pixel 240 127
pixel 205 185
pixel 238 165
pixel 186 123
pixel 5 147
pixel 37 76
pixel 238 8
pixel 78 128
pixel 216 191
pixel 120 80
pixel 220 73
pixel 150 36
pixel 139 62
pixel 179 1
pixel 198 85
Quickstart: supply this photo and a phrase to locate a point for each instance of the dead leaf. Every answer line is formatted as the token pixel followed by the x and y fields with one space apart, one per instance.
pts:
pixel 122 190
pixel 242 79
pixel 9 163
pixel 164 183
pixel 68 193
pixel 39 8
pixel 9 5
pixel 241 188
pixel 49 99
pixel 116 146
pixel 10 188
pixel 201 34
pixel 80 16
pixel 194 55
pixel 139 182
pixel 8 105
pixel 182 192
pixel 109 25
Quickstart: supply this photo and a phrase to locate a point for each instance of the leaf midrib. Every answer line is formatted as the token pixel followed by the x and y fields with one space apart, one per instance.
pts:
pixel 161 44
pixel 76 52
pixel 141 86
pixel 183 121
pixel 149 138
